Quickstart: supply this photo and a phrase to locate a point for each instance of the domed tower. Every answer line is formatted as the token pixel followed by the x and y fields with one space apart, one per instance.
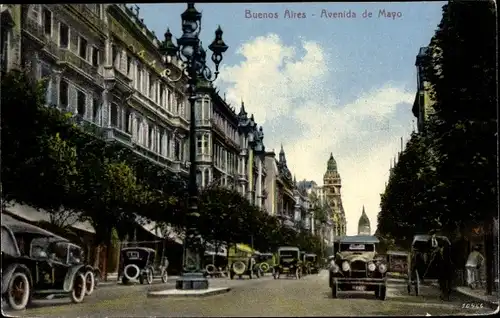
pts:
pixel 332 185
pixel 364 224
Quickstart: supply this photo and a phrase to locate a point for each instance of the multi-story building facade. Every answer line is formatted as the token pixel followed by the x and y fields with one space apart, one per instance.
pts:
pixel 422 106
pixel 280 186
pixel 10 37
pixel 103 65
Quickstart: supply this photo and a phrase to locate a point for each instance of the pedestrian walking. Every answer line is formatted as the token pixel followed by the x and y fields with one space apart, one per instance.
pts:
pixel 473 267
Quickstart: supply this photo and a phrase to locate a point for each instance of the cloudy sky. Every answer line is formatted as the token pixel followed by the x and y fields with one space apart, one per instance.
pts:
pixel 322 84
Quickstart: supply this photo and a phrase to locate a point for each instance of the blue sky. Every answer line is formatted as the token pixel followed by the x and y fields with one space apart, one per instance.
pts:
pixel 319 85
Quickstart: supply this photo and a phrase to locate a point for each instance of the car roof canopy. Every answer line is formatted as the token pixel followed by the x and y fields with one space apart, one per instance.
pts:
pixel 144 249
pixel 367 239
pixel 288 248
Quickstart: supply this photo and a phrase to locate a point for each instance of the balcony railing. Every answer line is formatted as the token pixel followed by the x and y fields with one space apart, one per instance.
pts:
pixel 35 29
pixel 114 133
pixel 203 123
pixel 90 15
pixel 71 59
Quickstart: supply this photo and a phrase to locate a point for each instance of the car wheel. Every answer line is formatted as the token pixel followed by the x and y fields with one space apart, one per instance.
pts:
pixel 382 292
pixel 78 292
pixel 335 289
pixel 164 276
pixel 149 276
pixel 97 277
pixel 18 292
pixel 89 283
pixel 125 280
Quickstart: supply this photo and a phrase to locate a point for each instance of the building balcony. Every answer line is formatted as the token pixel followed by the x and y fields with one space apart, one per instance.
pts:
pixel 35 31
pixel 122 81
pixel 203 158
pixel 89 16
pixel 78 64
pixel 203 123
pixel 115 134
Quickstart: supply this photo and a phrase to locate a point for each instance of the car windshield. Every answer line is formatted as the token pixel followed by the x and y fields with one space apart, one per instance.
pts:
pixel 357 247
pixel 311 258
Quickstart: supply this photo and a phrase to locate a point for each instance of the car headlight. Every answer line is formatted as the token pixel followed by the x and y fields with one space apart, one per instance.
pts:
pixel 372 267
pixel 345 266
pixel 382 268
pixel 335 269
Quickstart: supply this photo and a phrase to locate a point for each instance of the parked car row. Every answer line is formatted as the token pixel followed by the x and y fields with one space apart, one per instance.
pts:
pixel 37 263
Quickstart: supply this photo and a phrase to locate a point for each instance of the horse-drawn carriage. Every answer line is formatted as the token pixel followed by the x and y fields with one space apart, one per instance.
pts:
pixel 398 263
pixel 423 260
pixel 288 262
pixel 140 263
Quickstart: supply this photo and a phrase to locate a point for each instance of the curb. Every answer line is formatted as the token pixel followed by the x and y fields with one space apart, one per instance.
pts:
pixel 218 291
pixel 475 298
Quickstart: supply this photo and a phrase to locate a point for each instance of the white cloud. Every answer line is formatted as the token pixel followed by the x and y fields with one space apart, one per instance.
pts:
pixel 279 83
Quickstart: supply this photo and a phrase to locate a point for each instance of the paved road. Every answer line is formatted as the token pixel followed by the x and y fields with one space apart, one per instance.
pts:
pixel 309 296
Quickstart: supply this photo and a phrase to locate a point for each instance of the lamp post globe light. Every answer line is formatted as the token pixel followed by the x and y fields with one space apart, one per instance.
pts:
pixel 189 51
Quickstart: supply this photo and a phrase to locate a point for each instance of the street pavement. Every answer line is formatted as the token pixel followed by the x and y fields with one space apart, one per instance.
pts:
pixel 309 296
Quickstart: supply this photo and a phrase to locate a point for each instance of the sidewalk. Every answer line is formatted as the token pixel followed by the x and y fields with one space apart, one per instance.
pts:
pixel 478 295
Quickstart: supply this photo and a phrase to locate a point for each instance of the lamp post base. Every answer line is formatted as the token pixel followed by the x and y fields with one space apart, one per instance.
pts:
pixel 192 281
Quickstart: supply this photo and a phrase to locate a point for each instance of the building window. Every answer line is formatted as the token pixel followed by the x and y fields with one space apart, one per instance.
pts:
pixel 95 109
pixel 63 35
pixel 80 102
pixel 129 65
pixel 114 115
pixel 82 48
pixel 199 144
pixel 47 22
pixel 151 92
pixel 95 56
pixel 162 95
pixel 150 137
pixel 207 177
pixel 63 94
pixel 128 122
pixel 4 42
pixel 177 150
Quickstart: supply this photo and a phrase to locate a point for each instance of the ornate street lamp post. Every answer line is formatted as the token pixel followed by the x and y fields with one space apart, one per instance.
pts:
pixel 190 52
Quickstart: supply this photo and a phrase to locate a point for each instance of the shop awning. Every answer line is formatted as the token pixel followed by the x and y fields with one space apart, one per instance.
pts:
pixel 244 248
pixel 31 214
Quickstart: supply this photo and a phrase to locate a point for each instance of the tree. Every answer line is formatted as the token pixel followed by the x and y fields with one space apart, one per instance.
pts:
pixel 39 166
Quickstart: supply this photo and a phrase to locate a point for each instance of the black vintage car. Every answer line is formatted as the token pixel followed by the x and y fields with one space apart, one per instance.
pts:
pixel 311 263
pixel 67 253
pixel 357 268
pixel 288 262
pixel 139 263
pixel 27 270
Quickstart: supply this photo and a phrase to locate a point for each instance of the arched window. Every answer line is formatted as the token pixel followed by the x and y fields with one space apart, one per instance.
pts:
pixel 114 115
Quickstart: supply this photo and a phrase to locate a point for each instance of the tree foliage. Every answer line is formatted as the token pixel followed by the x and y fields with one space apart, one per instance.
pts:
pixel 446 177
pixel 52 162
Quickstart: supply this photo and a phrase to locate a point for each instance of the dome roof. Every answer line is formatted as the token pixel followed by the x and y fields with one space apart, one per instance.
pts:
pixel 363 220
pixel 332 164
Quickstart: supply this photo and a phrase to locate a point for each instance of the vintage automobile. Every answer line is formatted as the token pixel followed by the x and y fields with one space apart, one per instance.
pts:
pixel 265 262
pixel 29 273
pixel 288 262
pixel 139 263
pixel 63 251
pixel 311 262
pixel 356 267
pixel 242 261
pixel 215 262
